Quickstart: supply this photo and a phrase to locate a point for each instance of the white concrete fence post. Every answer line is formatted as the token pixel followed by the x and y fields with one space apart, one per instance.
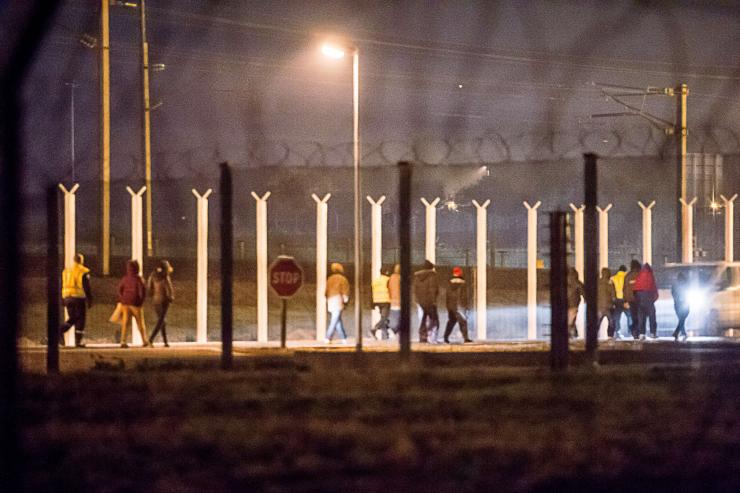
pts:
pixel 603 236
pixel 322 214
pixel 647 232
pixel 481 241
pixel 137 247
pixel 70 241
pixel 532 269
pixel 729 225
pixel 201 309
pixel 579 261
pixel 430 248
pixel 262 313
pixel 376 249
pixel 687 217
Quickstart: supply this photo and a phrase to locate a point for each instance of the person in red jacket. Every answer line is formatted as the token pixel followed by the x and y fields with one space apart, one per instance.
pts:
pixel 131 295
pixel 646 294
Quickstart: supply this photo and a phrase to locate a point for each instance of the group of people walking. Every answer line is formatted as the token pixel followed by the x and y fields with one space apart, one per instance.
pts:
pixel 132 292
pixel 386 297
pixel 633 293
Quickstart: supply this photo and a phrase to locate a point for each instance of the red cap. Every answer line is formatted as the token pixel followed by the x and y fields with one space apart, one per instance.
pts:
pixel 457 272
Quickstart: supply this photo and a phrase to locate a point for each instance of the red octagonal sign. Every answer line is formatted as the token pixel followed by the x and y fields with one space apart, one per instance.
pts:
pixel 286 276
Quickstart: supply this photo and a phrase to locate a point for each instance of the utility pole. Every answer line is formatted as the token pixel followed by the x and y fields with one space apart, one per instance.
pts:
pixel 105 138
pixel 72 85
pixel 146 124
pixel 681 133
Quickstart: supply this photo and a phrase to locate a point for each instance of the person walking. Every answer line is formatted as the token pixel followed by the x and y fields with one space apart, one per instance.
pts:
pixel 629 298
pixel 681 305
pixel 605 302
pixel 381 301
pixel 575 292
pixel 159 285
pixel 394 292
pixel 619 304
pixel 337 295
pixel 131 295
pixel 77 298
pixel 426 289
pixel 646 294
pixel 457 305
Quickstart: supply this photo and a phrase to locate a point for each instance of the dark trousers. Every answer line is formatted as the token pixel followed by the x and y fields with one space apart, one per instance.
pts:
pixel 617 315
pixel 76 311
pixel 682 314
pixel 634 319
pixel 456 317
pixel 429 323
pixel 645 310
pixel 383 323
pixel 161 310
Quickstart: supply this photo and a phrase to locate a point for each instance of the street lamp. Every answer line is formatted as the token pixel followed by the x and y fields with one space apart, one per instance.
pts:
pixel 337 52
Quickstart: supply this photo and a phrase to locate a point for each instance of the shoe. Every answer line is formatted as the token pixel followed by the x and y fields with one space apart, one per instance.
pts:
pixel 80 344
pixel 124 345
pixel 642 337
pixel 148 344
pixel 684 338
pixel 447 340
pixel 344 341
pixel 327 341
pixel 675 338
pixel 166 344
pixel 617 336
pixel 653 336
pixel 467 340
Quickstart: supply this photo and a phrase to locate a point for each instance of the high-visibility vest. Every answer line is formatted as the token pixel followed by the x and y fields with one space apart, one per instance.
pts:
pixel 72 281
pixel 380 290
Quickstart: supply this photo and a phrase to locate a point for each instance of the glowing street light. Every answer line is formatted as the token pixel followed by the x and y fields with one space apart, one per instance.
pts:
pixel 337 52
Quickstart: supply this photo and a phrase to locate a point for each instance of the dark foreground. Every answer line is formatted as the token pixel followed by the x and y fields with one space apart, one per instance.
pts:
pixel 330 422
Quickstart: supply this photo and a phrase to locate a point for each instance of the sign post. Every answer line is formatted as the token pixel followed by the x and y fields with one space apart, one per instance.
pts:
pixel 286 278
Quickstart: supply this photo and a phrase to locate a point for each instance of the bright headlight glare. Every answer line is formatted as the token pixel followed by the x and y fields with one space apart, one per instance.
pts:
pixel 696 297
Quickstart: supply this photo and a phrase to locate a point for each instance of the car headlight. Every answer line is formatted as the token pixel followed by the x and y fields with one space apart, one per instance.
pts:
pixel 697 298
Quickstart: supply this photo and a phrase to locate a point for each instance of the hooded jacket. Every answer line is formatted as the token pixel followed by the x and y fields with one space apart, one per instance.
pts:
pixel 159 285
pixel 606 291
pixel 457 294
pixel 629 282
pixel 575 289
pixel 337 284
pixel 426 285
pixel 645 281
pixel 131 289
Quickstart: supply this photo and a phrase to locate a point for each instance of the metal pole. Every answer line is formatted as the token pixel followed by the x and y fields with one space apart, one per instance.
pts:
pixel 681 133
pixel 147 129
pixel 358 209
pixel 647 232
pixel 558 291
pixel 532 269
pixel 322 210
pixel 137 252
pixel 430 216
pixel 283 324
pixel 604 236
pixel 687 230
pixel 52 280
pixel 70 245
pixel 404 236
pixel 376 249
pixel 105 137
pixel 227 267
pixel 201 311
pixel 481 304
pixel 261 223
pixel 591 274
pixel 72 87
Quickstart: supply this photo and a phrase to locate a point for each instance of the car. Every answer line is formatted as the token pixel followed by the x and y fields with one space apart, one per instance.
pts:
pixel 713 294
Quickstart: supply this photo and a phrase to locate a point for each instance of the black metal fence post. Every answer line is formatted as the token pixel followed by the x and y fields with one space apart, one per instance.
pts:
pixel 52 280
pixel 227 268
pixel 558 291
pixel 591 267
pixel 404 235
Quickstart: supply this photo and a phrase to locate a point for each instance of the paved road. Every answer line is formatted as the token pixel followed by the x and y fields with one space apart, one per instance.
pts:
pixel 516 353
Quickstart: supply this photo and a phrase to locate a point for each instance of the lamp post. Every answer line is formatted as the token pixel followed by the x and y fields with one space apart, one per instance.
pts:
pixel 337 52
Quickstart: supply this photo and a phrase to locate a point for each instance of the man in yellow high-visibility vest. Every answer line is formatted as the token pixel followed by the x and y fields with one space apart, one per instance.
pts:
pixel 77 297
pixel 381 301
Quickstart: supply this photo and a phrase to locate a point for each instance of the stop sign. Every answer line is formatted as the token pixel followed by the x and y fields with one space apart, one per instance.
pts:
pixel 286 276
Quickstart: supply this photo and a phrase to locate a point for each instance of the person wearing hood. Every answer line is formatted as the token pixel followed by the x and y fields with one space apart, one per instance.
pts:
pixel 337 295
pixel 457 305
pixel 629 298
pixel 575 292
pixel 426 289
pixel 646 294
pixel 159 285
pixel 681 305
pixel 131 295
pixel 606 300
pixel 394 292
pixel 76 297
pixel 381 301
pixel 619 304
